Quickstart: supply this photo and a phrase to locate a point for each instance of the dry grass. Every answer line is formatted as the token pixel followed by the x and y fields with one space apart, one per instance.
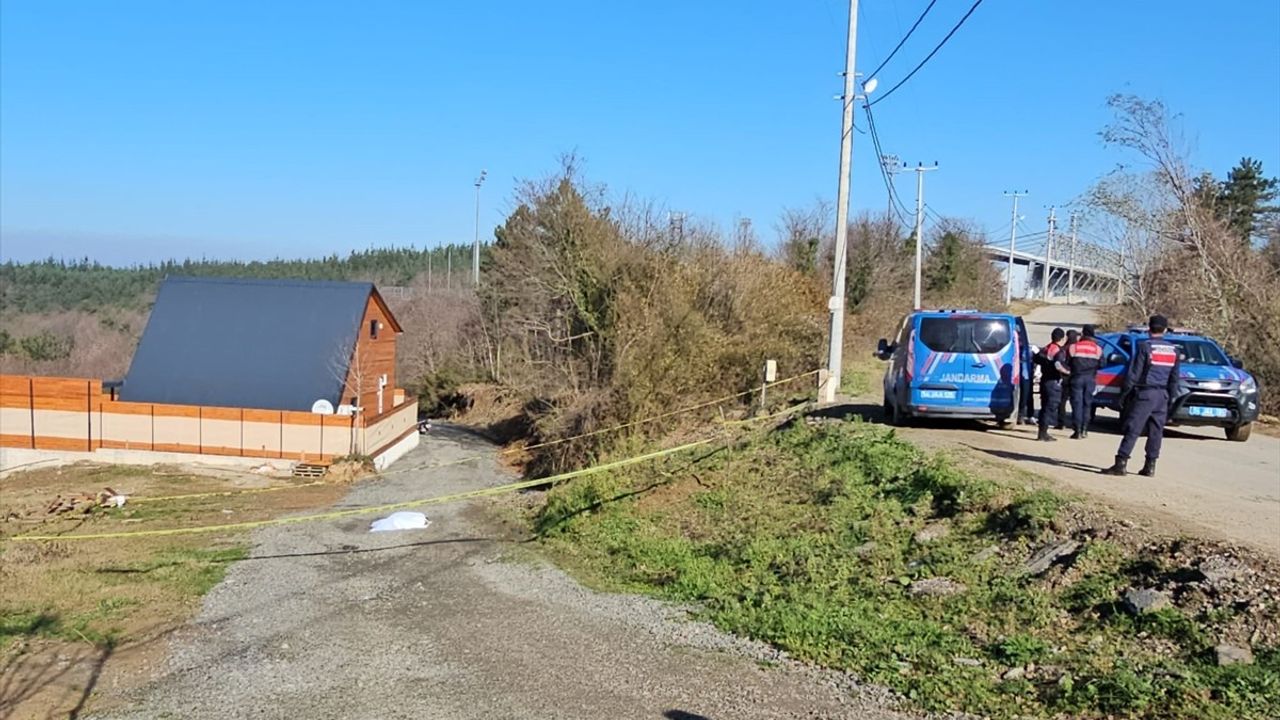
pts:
pixel 71 611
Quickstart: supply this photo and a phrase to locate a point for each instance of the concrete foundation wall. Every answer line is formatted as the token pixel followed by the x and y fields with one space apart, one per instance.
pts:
pixel 67 415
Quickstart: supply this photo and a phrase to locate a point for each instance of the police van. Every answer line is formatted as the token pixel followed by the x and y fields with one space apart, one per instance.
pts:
pixel 953 364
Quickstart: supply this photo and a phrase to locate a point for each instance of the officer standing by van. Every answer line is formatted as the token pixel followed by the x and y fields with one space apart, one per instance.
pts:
pixel 1072 338
pixel 1149 387
pixel 1052 370
pixel 1084 357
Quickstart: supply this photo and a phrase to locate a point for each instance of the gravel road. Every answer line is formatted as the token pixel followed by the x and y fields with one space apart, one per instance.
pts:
pixel 326 620
pixel 1204 485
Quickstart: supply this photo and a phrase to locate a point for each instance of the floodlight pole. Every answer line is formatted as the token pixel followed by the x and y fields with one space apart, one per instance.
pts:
pixel 475 248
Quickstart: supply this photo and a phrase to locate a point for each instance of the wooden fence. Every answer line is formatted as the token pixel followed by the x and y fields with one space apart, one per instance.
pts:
pixel 50 413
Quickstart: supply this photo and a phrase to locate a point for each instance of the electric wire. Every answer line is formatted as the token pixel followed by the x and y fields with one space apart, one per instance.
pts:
pixel 928 57
pixel 902 41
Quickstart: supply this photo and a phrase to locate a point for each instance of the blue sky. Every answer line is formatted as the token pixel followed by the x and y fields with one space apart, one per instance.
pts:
pixel 134 131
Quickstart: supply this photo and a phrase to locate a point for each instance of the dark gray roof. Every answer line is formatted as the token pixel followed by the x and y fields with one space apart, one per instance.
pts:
pixel 226 342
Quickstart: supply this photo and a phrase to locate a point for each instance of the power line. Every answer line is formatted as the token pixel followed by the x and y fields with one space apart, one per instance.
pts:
pixel 929 56
pixel 903 40
pixel 898 208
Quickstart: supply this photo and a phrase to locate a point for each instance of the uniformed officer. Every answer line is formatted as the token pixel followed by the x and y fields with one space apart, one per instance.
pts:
pixel 1083 358
pixel 1072 338
pixel 1052 370
pixel 1150 384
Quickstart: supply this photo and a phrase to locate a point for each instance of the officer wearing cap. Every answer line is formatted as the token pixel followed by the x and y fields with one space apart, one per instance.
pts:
pixel 1150 384
pixel 1052 370
pixel 1084 356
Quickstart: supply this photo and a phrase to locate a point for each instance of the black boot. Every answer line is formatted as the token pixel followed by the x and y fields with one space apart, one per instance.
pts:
pixel 1084 432
pixel 1120 468
pixel 1148 468
pixel 1044 436
pixel 1076 435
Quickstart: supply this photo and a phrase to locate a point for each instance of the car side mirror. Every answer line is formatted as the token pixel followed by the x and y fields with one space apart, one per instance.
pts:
pixel 1115 358
pixel 1236 362
pixel 883 349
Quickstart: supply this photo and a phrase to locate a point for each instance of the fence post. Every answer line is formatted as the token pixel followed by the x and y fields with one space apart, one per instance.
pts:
pixel 241 432
pixel 153 427
pixel 88 413
pixel 31 405
pixel 200 429
pixel 282 434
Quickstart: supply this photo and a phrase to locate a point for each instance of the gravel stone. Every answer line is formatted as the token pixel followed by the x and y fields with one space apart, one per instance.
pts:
pixel 932 531
pixel 1219 570
pixel 327 621
pixel 1141 601
pixel 937 587
pixel 1045 557
pixel 1233 655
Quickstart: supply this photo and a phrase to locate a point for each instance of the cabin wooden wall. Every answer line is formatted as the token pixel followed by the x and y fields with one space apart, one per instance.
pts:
pixel 372 358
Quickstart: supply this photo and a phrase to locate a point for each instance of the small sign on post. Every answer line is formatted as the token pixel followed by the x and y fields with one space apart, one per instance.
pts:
pixel 770 375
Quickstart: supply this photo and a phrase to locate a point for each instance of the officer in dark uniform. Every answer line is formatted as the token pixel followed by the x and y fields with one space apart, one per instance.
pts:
pixel 1052 370
pixel 1149 386
pixel 1083 358
pixel 1072 338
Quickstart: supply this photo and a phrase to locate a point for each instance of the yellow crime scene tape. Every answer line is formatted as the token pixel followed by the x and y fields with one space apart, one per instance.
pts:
pixel 436 500
pixel 463 461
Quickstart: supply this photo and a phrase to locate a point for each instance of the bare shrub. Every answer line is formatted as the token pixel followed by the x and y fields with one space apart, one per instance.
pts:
pixel 1182 259
pixel 601 317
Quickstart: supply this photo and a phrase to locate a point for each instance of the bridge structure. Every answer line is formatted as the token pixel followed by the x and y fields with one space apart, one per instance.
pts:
pixel 1061 271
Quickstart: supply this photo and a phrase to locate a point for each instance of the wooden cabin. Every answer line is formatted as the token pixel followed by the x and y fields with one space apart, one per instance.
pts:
pixel 299 345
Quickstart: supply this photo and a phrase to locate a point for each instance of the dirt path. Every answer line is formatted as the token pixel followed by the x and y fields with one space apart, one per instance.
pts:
pixel 1205 485
pixel 329 621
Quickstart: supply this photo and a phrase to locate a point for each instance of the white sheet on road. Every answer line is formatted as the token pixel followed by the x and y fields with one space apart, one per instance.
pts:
pixel 400 521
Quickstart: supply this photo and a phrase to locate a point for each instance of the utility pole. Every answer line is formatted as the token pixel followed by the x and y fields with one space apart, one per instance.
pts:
pixel 920 171
pixel 1071 271
pixel 448 273
pixel 1048 251
pixel 892 165
pixel 1013 239
pixel 475 248
pixel 836 302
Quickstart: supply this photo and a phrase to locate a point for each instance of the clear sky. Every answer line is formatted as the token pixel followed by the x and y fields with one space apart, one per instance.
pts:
pixel 134 131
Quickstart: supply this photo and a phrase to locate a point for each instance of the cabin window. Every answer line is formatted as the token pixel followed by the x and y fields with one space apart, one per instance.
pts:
pixel 373 329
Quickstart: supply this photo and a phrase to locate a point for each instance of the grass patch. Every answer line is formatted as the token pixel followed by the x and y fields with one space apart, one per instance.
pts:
pixel 810 540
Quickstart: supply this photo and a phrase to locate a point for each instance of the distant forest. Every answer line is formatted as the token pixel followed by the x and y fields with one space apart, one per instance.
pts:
pixel 54 285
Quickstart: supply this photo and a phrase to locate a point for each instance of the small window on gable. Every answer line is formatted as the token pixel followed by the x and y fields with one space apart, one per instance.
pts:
pixel 373 329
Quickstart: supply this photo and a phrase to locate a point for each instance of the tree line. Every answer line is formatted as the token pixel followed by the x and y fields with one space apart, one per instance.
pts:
pixel 59 284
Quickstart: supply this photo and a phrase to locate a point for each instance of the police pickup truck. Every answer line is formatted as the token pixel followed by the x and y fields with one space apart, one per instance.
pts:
pixel 1214 388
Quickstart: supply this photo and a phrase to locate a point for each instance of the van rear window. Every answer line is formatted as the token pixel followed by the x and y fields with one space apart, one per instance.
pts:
pixel 964 335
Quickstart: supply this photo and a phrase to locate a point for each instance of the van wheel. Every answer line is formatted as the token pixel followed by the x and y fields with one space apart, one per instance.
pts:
pixel 892 415
pixel 1239 433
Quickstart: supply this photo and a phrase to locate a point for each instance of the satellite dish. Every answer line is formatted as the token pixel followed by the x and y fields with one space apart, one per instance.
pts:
pixel 870 86
pixel 322 407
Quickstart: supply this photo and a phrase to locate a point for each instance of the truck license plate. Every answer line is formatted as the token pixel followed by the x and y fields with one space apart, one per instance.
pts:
pixel 1212 412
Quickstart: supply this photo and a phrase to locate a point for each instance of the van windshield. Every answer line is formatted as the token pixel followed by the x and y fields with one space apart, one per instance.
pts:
pixel 964 335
